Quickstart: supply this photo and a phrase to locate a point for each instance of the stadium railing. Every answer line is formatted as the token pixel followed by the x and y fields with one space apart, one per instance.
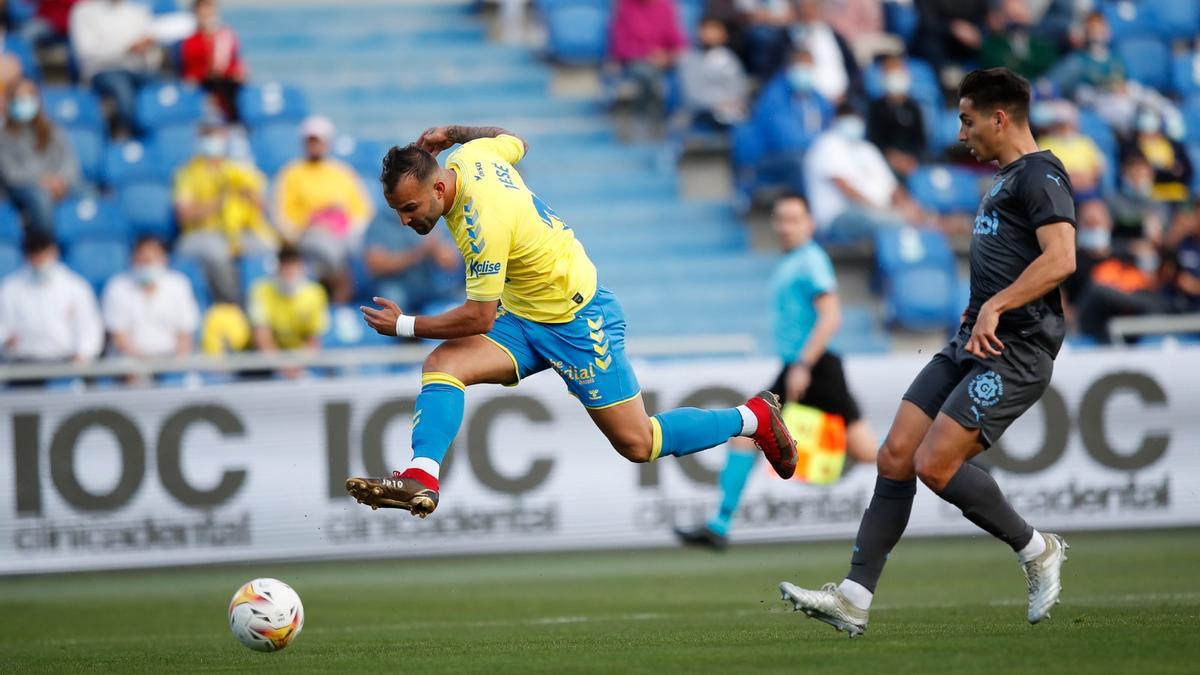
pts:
pixel 1123 327
pixel 400 354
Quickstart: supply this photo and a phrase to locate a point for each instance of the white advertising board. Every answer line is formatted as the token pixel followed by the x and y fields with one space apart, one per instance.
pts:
pixel 150 477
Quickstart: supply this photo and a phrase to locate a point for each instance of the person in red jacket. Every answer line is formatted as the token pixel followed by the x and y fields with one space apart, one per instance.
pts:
pixel 211 58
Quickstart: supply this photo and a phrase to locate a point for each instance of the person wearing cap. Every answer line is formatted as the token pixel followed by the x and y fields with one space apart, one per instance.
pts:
pixel 320 203
pixel 221 208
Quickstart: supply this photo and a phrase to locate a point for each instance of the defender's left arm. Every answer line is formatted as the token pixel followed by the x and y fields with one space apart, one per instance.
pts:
pixel 1044 274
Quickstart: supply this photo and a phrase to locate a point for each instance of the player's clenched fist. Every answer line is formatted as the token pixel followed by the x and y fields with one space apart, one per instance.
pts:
pixel 434 140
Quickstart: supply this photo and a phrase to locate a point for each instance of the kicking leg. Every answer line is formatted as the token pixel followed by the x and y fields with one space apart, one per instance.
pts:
pixel 448 370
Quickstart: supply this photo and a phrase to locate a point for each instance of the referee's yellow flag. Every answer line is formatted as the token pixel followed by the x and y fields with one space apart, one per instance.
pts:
pixel 820 442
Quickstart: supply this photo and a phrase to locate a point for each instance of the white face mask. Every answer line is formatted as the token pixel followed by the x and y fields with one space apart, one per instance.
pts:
pixel 148 275
pixel 211 146
pixel 800 77
pixel 1149 123
pixel 850 127
pixel 43 272
pixel 897 83
pixel 1094 239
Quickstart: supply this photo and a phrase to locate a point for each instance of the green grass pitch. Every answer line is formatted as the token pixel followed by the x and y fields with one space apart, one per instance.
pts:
pixel 1131 605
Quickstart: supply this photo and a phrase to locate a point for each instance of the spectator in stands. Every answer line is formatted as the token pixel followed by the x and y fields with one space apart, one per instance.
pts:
pixel 715 86
pixel 835 72
pixel 949 32
pixel 646 39
pixel 859 22
pixel 288 311
pixel 411 270
pixel 1094 245
pixel 211 58
pixel 1095 65
pixel 1185 276
pixel 225 330
pixel 1123 285
pixel 321 205
pixel 37 162
pixel 1013 43
pixel 764 34
pixel 1136 215
pixel 851 188
pixel 790 112
pixel 221 208
pixel 1079 154
pixel 114 46
pixel 150 311
pixel 48 313
pixel 895 123
pixel 1172 167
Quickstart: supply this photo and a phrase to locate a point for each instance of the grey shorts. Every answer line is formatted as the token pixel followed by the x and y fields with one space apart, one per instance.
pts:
pixel 989 394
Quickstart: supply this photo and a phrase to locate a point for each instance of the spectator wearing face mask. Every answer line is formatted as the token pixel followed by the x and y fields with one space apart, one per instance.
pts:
pixel 1126 284
pixel 851 188
pixel 37 162
pixel 150 311
pixel 835 72
pixel 321 205
pixel 895 123
pixel 1136 215
pixel 1095 65
pixel 1172 167
pixel 48 313
pixel 288 310
pixel 1093 240
pixel 1079 154
pixel 714 83
pixel 221 208
pixel 211 58
pixel 1185 277
pixel 790 112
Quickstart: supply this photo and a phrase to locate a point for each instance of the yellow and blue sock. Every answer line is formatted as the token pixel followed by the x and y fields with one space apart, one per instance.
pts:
pixel 438 415
pixel 732 481
pixel 684 431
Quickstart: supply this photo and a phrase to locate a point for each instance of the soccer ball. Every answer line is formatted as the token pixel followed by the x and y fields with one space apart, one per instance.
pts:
pixel 266 615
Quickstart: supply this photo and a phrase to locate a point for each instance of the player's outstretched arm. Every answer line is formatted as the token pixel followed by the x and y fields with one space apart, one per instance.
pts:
pixel 473 317
pixel 1043 275
pixel 437 139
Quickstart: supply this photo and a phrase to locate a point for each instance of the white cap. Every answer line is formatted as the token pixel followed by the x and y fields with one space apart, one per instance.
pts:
pixel 317 126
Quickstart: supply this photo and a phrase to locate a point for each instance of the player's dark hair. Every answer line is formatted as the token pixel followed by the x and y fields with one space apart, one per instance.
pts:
pixel 35 242
pixel 997 88
pixel 407 161
pixel 289 254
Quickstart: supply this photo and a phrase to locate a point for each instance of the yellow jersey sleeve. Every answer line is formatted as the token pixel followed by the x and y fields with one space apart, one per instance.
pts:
pixel 508 148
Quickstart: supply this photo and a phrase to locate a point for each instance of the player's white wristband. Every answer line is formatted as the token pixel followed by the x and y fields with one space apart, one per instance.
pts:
pixel 406 325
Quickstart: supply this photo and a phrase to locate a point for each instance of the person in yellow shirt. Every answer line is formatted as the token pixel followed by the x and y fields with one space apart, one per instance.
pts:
pixel 221 210
pixel 533 304
pixel 1079 154
pixel 288 311
pixel 321 205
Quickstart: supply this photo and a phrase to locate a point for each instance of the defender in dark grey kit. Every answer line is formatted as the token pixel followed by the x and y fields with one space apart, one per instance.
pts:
pixel 995 368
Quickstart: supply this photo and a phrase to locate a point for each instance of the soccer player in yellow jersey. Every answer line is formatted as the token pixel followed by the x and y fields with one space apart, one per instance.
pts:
pixel 533 303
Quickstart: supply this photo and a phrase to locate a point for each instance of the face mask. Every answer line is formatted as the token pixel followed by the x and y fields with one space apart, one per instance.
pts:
pixel 897 83
pixel 1148 262
pixel 800 77
pixel 1095 240
pixel 23 109
pixel 42 272
pixel 1148 123
pixel 147 275
pixel 851 128
pixel 288 286
pixel 212 147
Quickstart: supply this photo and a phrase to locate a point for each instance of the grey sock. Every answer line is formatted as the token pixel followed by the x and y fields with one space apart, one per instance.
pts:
pixel 882 524
pixel 976 494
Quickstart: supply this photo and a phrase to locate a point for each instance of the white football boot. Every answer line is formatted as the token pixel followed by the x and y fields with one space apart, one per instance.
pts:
pixel 1044 576
pixel 828 605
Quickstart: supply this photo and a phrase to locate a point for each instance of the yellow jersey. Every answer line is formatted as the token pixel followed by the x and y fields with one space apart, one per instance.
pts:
pixel 294 318
pixel 235 184
pixel 517 249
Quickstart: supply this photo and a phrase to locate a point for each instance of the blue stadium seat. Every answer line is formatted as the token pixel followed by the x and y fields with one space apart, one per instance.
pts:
pixel 73 108
pixel 1094 126
pixel 1185 73
pixel 271 102
pixel 173 145
pixel 131 162
pixel 922 298
pixel 147 208
pixel 1193 152
pixel 1147 60
pixel 76 220
pixel 365 157
pixel 1191 118
pixel 1176 18
pixel 89 148
pixel 274 145
pixel 11 229
pixel 900 18
pixel 347 329
pixel 1128 19
pixel 20 11
pixel 167 103
pixel 163 6
pixel 946 135
pixel 194 271
pixel 690 14
pixel 10 259
pixel 860 333
pixel 251 268
pixel 909 247
pixel 20 48
pixel 576 30
pixel 98 260
pixel 945 189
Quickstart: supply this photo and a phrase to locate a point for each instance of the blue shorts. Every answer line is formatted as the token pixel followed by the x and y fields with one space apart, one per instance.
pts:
pixel 588 352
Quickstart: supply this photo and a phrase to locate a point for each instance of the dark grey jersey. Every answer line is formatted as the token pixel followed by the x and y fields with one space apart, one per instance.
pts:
pixel 1031 192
